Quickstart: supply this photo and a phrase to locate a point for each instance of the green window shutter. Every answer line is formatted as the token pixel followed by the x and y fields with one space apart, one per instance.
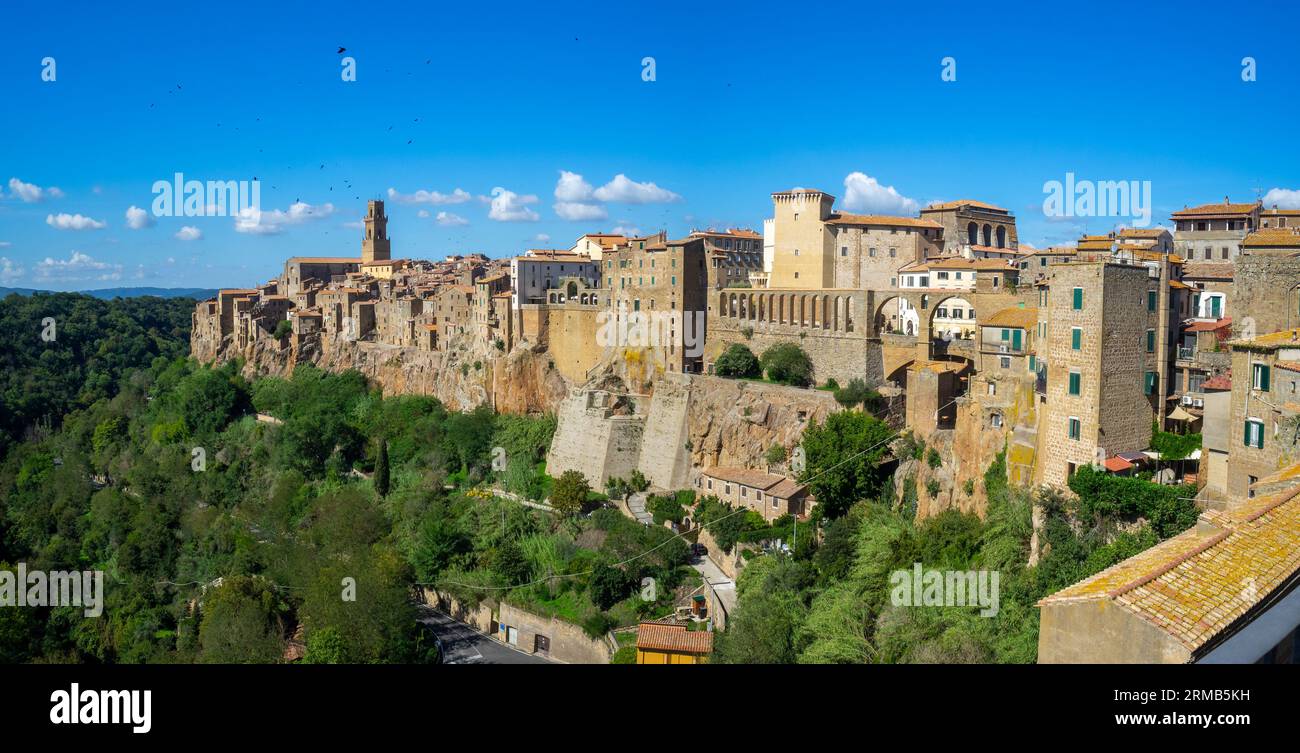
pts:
pixel 1078 299
pixel 1245 439
pixel 1006 335
pixel 1076 338
pixel 1033 363
pixel 1263 378
pixel 1074 383
pixel 1151 341
pixel 1151 300
pixel 1016 339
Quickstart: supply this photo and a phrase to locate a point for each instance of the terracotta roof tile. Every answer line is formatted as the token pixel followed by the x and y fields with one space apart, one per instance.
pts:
pixel 659 636
pixel 1201 582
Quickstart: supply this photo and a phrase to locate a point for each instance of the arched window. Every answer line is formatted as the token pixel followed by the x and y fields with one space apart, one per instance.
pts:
pixel 973 232
pixel 988 235
pixel 1002 236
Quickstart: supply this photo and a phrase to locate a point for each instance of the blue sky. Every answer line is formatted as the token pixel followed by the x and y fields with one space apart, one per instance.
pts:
pixel 748 99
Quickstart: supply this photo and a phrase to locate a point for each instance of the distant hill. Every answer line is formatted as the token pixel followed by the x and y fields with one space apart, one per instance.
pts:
pixel 109 294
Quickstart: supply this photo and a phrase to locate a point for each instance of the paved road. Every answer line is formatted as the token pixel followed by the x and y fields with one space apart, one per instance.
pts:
pixel 724 586
pixel 636 505
pixel 465 645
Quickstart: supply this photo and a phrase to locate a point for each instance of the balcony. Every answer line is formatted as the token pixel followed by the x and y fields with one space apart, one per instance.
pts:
pixel 1186 353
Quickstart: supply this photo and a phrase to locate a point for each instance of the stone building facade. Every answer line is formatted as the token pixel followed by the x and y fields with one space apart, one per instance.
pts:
pixel 1095 405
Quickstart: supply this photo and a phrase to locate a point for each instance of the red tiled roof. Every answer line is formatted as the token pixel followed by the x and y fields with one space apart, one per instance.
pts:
pixel 1117 464
pixel 1220 382
pixel 1210 210
pixel 1209 326
pixel 659 636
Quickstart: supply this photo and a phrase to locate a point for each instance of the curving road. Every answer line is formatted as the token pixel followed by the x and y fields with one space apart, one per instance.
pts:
pixel 462 644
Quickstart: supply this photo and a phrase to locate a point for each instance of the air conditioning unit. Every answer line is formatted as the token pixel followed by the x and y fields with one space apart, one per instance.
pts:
pixel 1187 400
pixel 1198 403
pixel 1004 349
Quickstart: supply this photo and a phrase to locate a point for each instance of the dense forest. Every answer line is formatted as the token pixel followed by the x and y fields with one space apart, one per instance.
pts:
pixel 47 370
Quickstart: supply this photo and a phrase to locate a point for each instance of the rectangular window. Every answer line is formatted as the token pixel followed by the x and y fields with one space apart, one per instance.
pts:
pixel 1260 377
pixel 1033 363
pixel 1254 436
pixel 1075 379
pixel 1076 338
pixel 1074 428
pixel 1151 341
pixel 1149 387
pixel 1078 299
pixel 1151 300
pixel 844 250
pixel 1006 362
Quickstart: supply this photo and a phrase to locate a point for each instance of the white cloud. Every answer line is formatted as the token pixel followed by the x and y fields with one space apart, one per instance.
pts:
pixel 448 219
pixel 571 187
pixel 458 196
pixel 5 244
pixel 508 206
pixel 1285 198
pixel 189 233
pixel 78 267
pixel 863 193
pixel 10 270
pixel 626 191
pixel 137 218
pixel 576 211
pixel 625 229
pixel 257 222
pixel 64 221
pixel 541 238
pixel 32 193
pixel 423 214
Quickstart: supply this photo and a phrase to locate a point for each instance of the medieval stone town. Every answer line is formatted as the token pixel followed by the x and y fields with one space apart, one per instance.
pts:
pixel 1059 357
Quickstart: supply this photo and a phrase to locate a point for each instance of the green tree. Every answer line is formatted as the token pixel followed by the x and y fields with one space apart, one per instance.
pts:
pixel 737 361
pixel 786 363
pixel 770 611
pixel 856 393
pixel 570 493
pixel 241 622
pixel 843 460
pixel 608 586
pixel 381 469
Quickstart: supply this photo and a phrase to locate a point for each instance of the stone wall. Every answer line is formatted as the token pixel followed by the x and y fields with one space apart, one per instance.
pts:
pixel 568 642
pixel 665 458
pixel 479 617
pixel 692 421
pixel 1264 294
pixel 591 439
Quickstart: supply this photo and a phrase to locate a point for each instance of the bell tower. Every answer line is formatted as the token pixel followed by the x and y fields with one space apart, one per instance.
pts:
pixel 375 245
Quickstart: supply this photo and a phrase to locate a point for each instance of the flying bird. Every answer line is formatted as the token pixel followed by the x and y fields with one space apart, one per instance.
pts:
pixel 342 50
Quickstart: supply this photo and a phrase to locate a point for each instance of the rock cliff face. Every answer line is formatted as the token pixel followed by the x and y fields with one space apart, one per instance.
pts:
pixel 733 422
pixel 691 422
pixel 467 374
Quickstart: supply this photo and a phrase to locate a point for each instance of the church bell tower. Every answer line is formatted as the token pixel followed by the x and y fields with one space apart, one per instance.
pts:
pixel 375 245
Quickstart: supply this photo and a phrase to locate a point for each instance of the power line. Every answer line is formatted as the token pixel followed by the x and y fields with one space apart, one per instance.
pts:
pixel 809 480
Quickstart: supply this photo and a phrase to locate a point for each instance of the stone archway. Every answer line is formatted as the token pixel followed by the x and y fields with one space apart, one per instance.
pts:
pixel 942 319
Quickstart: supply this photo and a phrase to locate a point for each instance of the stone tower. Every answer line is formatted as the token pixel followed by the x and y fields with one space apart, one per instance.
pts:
pixel 375 244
